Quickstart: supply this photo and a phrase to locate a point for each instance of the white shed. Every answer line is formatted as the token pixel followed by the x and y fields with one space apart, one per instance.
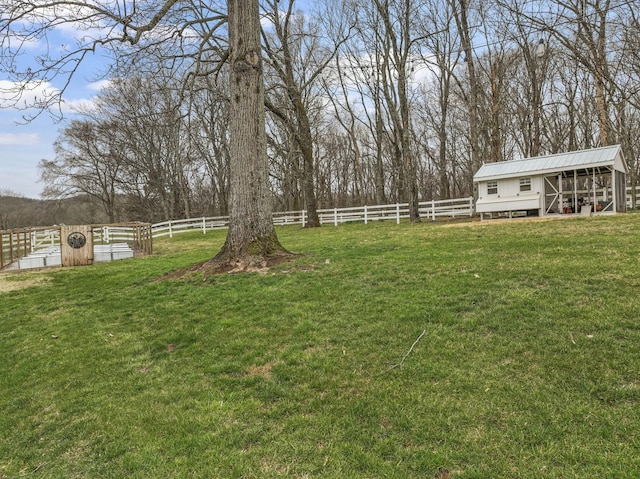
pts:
pixel 580 182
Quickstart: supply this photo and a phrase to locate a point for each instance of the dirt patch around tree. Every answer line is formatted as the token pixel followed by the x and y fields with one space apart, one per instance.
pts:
pixel 214 266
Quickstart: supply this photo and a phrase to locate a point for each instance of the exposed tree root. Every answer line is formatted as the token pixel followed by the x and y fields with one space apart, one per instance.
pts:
pixel 244 263
pixel 226 263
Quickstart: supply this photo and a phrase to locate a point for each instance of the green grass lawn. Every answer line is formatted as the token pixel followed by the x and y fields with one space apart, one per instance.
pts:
pixel 529 365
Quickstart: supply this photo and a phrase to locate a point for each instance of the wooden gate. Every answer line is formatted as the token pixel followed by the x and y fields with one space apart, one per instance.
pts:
pixel 76 245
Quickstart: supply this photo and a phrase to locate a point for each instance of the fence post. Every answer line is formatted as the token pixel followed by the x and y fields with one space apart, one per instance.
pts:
pixel 335 217
pixel 471 205
pixel 204 226
pixel 433 210
pixel 170 230
pixel 365 214
pixel 397 213
pixel 304 218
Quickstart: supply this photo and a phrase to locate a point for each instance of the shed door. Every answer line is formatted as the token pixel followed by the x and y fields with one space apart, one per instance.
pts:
pixel 552 194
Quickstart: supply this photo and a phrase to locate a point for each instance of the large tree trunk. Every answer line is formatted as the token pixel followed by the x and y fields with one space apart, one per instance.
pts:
pixel 251 239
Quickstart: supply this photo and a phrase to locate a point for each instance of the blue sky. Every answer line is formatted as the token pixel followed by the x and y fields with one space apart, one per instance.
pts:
pixel 20 150
pixel 23 145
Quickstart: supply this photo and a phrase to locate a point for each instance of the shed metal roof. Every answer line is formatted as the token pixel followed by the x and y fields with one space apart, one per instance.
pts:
pixel 605 156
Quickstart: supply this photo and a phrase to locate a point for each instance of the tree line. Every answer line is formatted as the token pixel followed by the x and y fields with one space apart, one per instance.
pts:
pixel 367 103
pixel 16 211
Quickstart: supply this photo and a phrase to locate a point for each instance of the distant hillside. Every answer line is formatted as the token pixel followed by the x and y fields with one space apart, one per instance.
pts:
pixel 20 212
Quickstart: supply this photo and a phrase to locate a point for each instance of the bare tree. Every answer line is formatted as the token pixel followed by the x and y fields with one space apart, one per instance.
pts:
pixel 441 57
pixel 296 59
pixel 346 116
pixel 398 39
pixel 152 132
pixel 378 62
pixel 132 140
pixel 183 34
pixel 208 130
pixel 461 10
pixel 354 89
pixel 88 161
pixel 584 29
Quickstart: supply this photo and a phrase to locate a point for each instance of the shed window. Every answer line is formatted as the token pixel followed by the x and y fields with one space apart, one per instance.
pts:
pixel 492 187
pixel 525 184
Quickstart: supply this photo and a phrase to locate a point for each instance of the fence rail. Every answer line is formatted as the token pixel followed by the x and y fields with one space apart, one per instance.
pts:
pixel 169 228
pixel 17 243
pixel 330 216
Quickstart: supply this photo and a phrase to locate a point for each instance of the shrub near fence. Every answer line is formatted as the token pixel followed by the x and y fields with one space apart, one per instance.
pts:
pixel 331 216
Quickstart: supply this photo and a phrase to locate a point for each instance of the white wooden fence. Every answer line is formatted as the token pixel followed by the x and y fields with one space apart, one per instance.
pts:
pixel 16 244
pixel 331 216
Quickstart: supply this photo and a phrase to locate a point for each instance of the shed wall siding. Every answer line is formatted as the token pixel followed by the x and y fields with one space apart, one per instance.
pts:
pixel 511 187
pixel 509 197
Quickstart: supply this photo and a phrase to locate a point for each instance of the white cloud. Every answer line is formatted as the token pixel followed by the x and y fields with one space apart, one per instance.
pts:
pixel 99 85
pixel 267 21
pixel 77 105
pixel 24 139
pixel 25 95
